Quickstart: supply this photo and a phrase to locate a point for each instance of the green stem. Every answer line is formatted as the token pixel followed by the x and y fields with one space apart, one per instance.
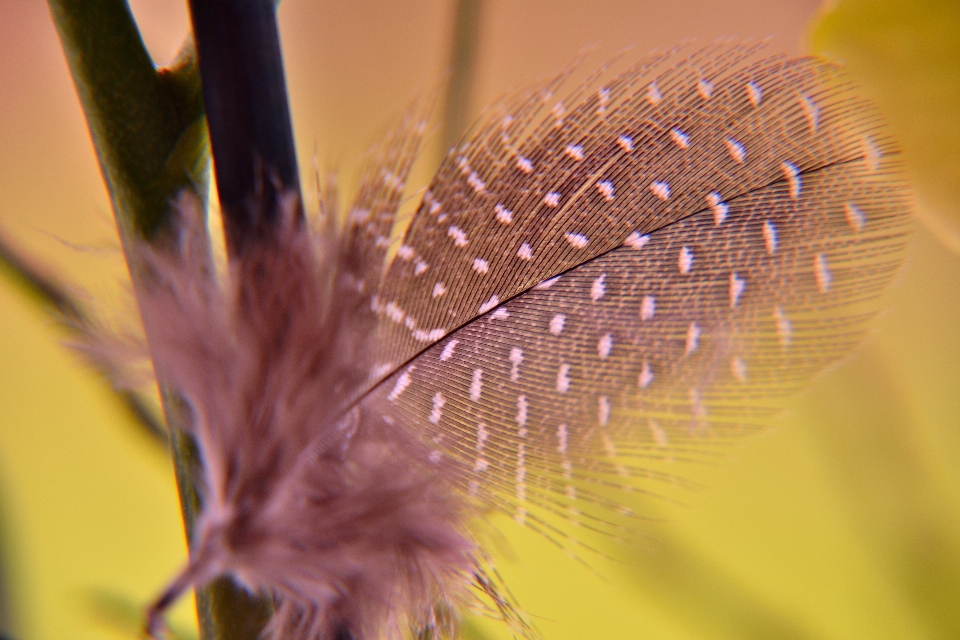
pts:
pixel 45 290
pixel 146 124
pixel 149 132
pixel 463 66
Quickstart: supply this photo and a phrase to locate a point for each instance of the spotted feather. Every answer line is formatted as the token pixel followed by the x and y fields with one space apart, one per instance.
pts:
pixel 661 268
pixel 592 290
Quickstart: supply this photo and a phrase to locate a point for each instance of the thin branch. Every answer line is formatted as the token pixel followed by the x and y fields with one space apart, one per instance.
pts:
pixel 463 67
pixel 245 92
pixel 66 311
pixel 144 124
pixel 149 131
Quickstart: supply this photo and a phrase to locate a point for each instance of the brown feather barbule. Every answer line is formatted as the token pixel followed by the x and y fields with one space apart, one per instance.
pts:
pixel 334 513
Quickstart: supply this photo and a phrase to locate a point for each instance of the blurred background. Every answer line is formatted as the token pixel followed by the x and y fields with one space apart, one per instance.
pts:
pixel 841 521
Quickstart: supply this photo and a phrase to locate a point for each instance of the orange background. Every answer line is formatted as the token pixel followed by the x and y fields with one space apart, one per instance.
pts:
pixel 787 533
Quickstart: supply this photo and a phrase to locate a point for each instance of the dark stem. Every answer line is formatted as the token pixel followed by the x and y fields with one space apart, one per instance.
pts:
pixel 241 72
pixel 251 137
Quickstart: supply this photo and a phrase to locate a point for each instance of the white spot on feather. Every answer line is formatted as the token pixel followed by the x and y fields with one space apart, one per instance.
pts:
pixel 718 206
pixel 693 338
pixel 605 346
pixel 556 324
pixel 476 183
pixel 685 261
pixel 439 289
pixel 754 94
pixel 660 189
pixel 576 240
pixel 521 417
pixel 394 312
pixel 811 111
pixel 552 199
pixel 504 215
pixel 516 358
pixel 822 273
pixel 459 237
pixel 476 385
pixel 402 383
pixel 563 378
pixel 381 370
pixel 603 99
pixel 436 412
pixel 558 112
pixel 736 150
pixel 482 435
pixel 648 307
pixel 546 284
pixel 792 175
pixel 653 94
pixel 679 138
pixel 855 217
pixel 646 376
pixel 480 265
pixel 784 329
pixel 428 336
pixel 705 89
pixel 575 152
pixel 598 288
pixel 737 285
pixel 603 410
pixel 562 438
pixel 738 369
pixel 636 241
pixel 489 304
pixel 770 237
pixel 448 349
pixel 525 252
pixel 605 187
pixel 626 143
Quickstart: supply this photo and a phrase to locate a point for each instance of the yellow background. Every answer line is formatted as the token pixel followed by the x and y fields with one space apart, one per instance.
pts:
pixel 841 521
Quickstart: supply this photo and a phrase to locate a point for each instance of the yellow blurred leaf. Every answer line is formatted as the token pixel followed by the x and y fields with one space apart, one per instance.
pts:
pixel 907 55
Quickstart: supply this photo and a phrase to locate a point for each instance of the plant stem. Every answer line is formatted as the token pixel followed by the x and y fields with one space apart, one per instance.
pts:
pixel 149 132
pixel 463 64
pixel 140 120
pixel 42 288
pixel 251 135
pixel 241 71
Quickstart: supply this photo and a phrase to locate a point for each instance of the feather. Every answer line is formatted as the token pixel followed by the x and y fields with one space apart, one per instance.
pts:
pixel 638 275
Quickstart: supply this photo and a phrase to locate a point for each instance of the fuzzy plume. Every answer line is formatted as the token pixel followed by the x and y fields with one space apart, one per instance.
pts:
pixel 331 511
